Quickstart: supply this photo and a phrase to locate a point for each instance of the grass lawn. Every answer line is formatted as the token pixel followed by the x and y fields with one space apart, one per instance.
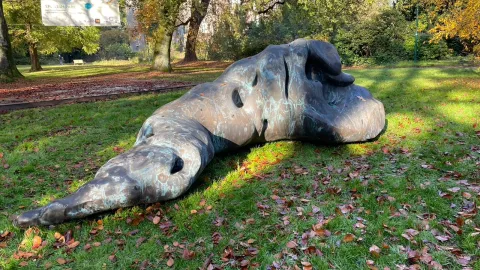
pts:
pixel 201 72
pixel 409 198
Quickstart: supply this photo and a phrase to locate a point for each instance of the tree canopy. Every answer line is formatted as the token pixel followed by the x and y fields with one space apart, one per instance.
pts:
pixel 27 30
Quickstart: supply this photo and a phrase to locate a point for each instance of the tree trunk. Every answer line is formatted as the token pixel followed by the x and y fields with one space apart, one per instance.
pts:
pixel 199 11
pixel 32 50
pixel 8 70
pixel 161 51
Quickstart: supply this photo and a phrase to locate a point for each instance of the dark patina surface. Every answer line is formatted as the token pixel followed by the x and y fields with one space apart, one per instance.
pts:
pixel 295 91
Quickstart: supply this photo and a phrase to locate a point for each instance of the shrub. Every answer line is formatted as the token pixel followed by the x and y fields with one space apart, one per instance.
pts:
pixel 379 39
pixel 427 50
pixel 118 51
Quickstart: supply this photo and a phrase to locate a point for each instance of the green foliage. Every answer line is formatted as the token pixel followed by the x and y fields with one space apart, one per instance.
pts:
pixel 26 28
pixel 111 36
pixel 226 42
pixel 119 51
pixel 114 44
pixel 282 26
pixel 380 38
pixel 244 32
pixel 427 49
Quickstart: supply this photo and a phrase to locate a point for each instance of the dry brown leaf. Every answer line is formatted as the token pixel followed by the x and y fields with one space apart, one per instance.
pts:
pixel 170 262
pixel 348 238
pixel 61 261
pixel 307 266
pixel 292 244
pixel 74 245
pixel 156 220
pixel 375 251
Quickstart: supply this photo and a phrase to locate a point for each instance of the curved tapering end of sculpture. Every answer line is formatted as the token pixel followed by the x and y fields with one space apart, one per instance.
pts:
pixel 150 172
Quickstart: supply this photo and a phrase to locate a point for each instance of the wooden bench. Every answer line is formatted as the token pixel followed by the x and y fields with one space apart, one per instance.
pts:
pixel 78 62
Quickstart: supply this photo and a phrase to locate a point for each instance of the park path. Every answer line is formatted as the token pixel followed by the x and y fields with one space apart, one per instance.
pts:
pixel 82 87
pixel 57 90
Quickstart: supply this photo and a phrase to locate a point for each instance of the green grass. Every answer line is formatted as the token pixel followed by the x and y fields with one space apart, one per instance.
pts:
pixel 270 194
pixel 66 72
pixel 79 71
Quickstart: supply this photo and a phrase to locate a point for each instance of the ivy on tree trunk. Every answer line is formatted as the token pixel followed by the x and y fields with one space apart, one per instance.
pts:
pixel 8 70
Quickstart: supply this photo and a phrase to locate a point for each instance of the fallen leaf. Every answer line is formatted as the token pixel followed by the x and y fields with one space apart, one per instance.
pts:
pixel 188 255
pixel 73 245
pixel 170 262
pixel 156 220
pixel 442 238
pixel 61 261
pixel 140 241
pixel 307 266
pixel 348 238
pixel 454 189
pixel 37 242
pixel 68 236
pixel 375 251
pixel 292 244
pixel 57 235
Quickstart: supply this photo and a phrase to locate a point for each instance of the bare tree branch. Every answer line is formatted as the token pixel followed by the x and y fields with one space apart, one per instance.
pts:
pixel 184 23
pixel 272 6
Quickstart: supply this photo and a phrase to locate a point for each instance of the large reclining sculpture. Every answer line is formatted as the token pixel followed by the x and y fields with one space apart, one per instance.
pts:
pixel 295 91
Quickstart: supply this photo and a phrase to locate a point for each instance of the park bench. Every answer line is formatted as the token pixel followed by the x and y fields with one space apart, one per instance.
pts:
pixel 78 62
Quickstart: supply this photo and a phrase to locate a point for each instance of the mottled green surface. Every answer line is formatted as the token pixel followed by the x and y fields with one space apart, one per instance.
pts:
pixel 433 114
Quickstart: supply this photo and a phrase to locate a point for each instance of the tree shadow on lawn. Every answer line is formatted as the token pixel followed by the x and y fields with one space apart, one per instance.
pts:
pixel 240 187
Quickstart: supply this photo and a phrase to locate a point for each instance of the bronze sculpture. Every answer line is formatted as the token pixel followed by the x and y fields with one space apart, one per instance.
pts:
pixel 295 91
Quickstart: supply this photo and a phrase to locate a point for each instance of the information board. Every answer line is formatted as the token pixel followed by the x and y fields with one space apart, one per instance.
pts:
pixel 80 12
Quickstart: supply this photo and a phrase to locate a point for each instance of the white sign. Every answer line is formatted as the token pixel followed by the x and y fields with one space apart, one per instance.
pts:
pixel 80 13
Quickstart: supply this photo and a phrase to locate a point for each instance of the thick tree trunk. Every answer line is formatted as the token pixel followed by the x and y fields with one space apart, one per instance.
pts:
pixel 34 59
pixel 161 53
pixel 33 51
pixel 199 10
pixel 8 70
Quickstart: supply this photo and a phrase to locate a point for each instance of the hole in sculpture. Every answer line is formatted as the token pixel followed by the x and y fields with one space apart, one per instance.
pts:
pixel 237 100
pixel 177 165
pixel 313 72
pixel 287 77
pixel 255 80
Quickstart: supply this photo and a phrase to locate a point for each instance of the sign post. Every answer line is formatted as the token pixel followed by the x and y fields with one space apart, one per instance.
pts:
pixel 80 13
